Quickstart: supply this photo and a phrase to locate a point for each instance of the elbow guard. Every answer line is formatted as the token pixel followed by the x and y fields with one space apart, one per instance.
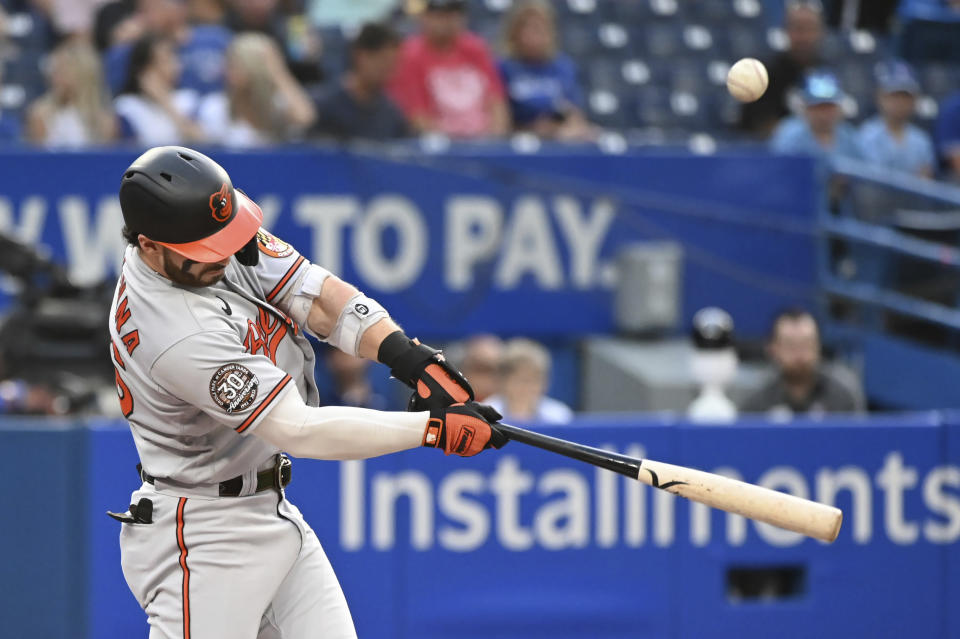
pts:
pixel 358 315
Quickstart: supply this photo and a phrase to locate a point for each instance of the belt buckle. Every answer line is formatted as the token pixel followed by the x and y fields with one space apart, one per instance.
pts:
pixel 283 465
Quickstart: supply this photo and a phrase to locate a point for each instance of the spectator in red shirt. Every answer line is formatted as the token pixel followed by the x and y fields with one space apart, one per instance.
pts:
pixel 446 79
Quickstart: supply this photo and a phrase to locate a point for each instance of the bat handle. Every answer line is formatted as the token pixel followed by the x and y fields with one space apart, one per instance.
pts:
pixel 622 464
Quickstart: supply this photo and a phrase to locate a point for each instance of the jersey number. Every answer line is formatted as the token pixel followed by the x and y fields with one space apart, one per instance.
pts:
pixel 230 386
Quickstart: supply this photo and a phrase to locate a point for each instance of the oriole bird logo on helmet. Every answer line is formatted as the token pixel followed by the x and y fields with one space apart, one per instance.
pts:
pixel 221 204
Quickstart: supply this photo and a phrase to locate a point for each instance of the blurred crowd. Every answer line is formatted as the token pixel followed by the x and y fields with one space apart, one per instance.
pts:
pixel 512 376
pixel 250 73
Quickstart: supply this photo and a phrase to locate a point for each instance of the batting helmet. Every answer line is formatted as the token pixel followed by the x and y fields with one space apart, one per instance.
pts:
pixel 185 201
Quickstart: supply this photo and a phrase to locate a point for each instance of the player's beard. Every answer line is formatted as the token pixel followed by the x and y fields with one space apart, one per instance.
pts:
pixel 190 273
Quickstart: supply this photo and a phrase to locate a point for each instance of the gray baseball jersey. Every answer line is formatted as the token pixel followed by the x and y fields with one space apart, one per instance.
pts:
pixel 197 368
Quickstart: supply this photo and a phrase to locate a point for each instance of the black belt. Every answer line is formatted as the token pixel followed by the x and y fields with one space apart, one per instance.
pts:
pixel 277 477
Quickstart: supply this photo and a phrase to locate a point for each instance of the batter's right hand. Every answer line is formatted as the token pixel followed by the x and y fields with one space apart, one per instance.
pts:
pixel 464 429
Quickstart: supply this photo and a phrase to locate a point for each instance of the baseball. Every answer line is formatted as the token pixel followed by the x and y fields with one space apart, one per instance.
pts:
pixel 747 80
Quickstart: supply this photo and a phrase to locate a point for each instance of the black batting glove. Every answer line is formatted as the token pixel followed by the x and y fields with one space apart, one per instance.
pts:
pixel 435 383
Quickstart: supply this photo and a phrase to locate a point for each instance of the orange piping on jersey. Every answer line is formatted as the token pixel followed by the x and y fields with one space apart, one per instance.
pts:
pixel 263 405
pixel 183 566
pixel 283 281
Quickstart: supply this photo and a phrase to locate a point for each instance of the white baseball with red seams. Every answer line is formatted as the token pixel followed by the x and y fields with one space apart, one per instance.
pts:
pixel 747 80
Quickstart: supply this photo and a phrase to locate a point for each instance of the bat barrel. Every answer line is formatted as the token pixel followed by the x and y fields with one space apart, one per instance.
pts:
pixel 769 506
pixel 763 504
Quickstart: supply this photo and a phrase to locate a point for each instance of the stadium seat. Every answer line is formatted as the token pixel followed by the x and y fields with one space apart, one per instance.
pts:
pixel 659 41
pixel 606 74
pixel 939 79
pixel 630 13
pixel 688 76
pixel 607 108
pixel 613 36
pixel 665 8
pixel 578 40
pixel 748 10
pixel 856 77
pixel 698 39
pixel 652 108
pixel 744 41
pixel 710 11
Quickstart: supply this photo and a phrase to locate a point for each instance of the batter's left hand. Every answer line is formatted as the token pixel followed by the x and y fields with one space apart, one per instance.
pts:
pixel 464 429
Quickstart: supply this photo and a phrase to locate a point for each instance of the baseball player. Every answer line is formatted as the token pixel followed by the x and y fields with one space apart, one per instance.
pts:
pixel 216 378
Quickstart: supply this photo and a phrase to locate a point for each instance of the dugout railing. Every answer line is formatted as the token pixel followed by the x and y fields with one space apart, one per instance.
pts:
pixel 889 275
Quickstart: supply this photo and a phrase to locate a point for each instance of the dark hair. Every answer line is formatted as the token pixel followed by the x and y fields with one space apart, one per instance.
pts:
pixel 141 56
pixel 132 237
pixel 374 37
pixel 792 313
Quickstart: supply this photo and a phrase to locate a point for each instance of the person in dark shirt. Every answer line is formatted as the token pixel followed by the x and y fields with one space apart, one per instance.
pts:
pixel 801 384
pixel 804 27
pixel 358 106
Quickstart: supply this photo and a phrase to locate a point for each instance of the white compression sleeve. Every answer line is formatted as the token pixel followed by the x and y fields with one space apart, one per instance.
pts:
pixel 339 432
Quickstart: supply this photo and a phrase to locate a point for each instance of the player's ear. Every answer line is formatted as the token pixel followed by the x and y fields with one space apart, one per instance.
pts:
pixel 148 245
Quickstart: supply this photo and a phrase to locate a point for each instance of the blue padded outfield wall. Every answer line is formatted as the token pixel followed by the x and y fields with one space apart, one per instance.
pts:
pixel 476 239
pixel 520 543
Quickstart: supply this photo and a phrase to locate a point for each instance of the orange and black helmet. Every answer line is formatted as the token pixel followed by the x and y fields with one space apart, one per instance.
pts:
pixel 185 201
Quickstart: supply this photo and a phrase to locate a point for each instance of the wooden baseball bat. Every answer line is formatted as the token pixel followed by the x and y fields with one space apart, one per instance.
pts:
pixel 769 506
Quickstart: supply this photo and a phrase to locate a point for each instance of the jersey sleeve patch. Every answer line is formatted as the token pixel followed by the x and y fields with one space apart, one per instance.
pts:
pixel 234 387
pixel 272 245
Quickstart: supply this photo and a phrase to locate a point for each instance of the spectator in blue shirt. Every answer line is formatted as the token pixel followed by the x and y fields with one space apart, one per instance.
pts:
pixel 947 136
pixel 820 130
pixel 202 42
pixel 889 139
pixel 541 83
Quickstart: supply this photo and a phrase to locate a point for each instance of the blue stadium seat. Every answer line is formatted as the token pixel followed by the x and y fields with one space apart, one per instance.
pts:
pixel 630 13
pixel 605 73
pixel 688 75
pixel 591 11
pixel 856 77
pixel 710 11
pixel 659 40
pixel 613 36
pixel 578 40
pixel 652 108
pixel 939 79
pixel 744 41
pixel 608 108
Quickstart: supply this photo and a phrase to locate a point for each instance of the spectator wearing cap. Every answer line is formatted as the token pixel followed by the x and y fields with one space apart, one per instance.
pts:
pixel 889 139
pixel 820 130
pixel 801 383
pixel 446 79
pixel 947 136
pixel 358 106
pixel 525 374
pixel 787 69
pixel 541 83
